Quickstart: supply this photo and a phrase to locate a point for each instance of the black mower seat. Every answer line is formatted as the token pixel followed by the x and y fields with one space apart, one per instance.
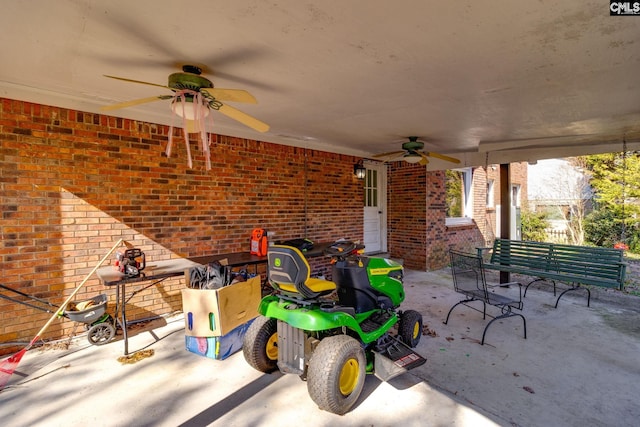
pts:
pixel 290 273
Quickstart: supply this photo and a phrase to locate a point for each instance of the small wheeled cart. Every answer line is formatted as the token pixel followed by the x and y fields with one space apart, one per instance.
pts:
pixel 92 312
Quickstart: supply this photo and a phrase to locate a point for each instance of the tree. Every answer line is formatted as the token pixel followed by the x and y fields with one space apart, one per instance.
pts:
pixel 615 178
pixel 602 228
pixel 580 195
pixel 564 192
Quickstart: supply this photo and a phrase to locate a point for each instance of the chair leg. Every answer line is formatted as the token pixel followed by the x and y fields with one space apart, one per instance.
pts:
pixel 573 289
pixel 510 314
pixel 456 304
pixel 526 288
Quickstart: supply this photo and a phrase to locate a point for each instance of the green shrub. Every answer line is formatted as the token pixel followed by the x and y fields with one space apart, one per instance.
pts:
pixel 603 227
pixel 534 225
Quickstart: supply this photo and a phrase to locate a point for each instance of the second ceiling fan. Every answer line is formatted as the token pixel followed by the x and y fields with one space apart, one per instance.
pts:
pixel 413 152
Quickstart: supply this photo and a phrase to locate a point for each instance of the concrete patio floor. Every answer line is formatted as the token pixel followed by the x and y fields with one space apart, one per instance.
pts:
pixel 579 366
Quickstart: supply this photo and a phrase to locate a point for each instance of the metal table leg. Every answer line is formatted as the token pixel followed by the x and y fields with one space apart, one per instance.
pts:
pixel 122 299
pixel 123 309
pixel 121 316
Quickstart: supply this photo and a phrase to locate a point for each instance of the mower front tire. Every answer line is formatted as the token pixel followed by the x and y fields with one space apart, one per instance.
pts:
pixel 410 329
pixel 336 373
pixel 260 345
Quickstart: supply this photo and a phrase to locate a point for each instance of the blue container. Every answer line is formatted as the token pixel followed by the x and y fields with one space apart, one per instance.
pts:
pixel 218 347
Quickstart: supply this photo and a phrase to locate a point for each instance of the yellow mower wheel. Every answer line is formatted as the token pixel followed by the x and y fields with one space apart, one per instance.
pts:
pixel 336 373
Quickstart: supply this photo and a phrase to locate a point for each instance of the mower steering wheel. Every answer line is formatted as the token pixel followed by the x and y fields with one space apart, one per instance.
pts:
pixel 342 249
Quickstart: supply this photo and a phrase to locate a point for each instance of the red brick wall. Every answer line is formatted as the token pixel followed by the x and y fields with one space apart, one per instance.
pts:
pixel 407 213
pixel 517 175
pixel 465 238
pixel 468 237
pixel 416 213
pixel 437 243
pixel 73 183
pixel 483 230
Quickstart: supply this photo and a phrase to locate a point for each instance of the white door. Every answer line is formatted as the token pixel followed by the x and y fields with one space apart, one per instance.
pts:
pixel 375 194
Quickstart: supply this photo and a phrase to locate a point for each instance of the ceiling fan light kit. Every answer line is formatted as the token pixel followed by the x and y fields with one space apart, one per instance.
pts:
pixel 412 158
pixel 189 107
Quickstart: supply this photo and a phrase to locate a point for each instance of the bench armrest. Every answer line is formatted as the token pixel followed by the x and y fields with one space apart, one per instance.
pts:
pixel 482 250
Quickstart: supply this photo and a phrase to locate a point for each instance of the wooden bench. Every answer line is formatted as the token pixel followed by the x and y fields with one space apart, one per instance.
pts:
pixel 469 279
pixel 570 264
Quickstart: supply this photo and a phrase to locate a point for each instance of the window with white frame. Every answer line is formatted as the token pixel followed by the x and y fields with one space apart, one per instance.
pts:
pixel 371 188
pixel 515 195
pixel 490 193
pixel 459 203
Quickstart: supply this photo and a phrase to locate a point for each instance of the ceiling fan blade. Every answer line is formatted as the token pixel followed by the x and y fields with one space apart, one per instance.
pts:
pixel 233 95
pixel 137 81
pixel 243 118
pixel 134 102
pixel 441 157
pixel 391 154
pixel 424 160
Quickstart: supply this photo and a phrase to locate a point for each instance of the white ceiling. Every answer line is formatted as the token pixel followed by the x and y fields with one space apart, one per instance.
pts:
pixel 518 80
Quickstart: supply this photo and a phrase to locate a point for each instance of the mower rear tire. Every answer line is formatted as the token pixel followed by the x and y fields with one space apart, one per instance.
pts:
pixel 336 373
pixel 260 345
pixel 410 329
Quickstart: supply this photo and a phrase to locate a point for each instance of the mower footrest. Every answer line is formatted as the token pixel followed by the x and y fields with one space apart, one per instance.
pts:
pixel 375 321
pixel 396 359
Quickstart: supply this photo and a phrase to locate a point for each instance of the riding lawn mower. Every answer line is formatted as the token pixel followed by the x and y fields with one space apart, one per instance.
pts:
pixel 333 333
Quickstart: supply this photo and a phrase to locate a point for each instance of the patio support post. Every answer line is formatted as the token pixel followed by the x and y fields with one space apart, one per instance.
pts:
pixel 505 212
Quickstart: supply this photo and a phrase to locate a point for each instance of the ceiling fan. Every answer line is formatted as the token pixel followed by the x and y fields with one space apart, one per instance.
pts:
pixel 191 91
pixel 412 152
pixel 194 96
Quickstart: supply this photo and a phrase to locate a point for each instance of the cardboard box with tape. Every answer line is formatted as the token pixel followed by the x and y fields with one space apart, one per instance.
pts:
pixel 216 312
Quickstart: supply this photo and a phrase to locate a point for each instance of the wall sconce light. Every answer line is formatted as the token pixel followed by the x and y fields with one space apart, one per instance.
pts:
pixel 359 170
